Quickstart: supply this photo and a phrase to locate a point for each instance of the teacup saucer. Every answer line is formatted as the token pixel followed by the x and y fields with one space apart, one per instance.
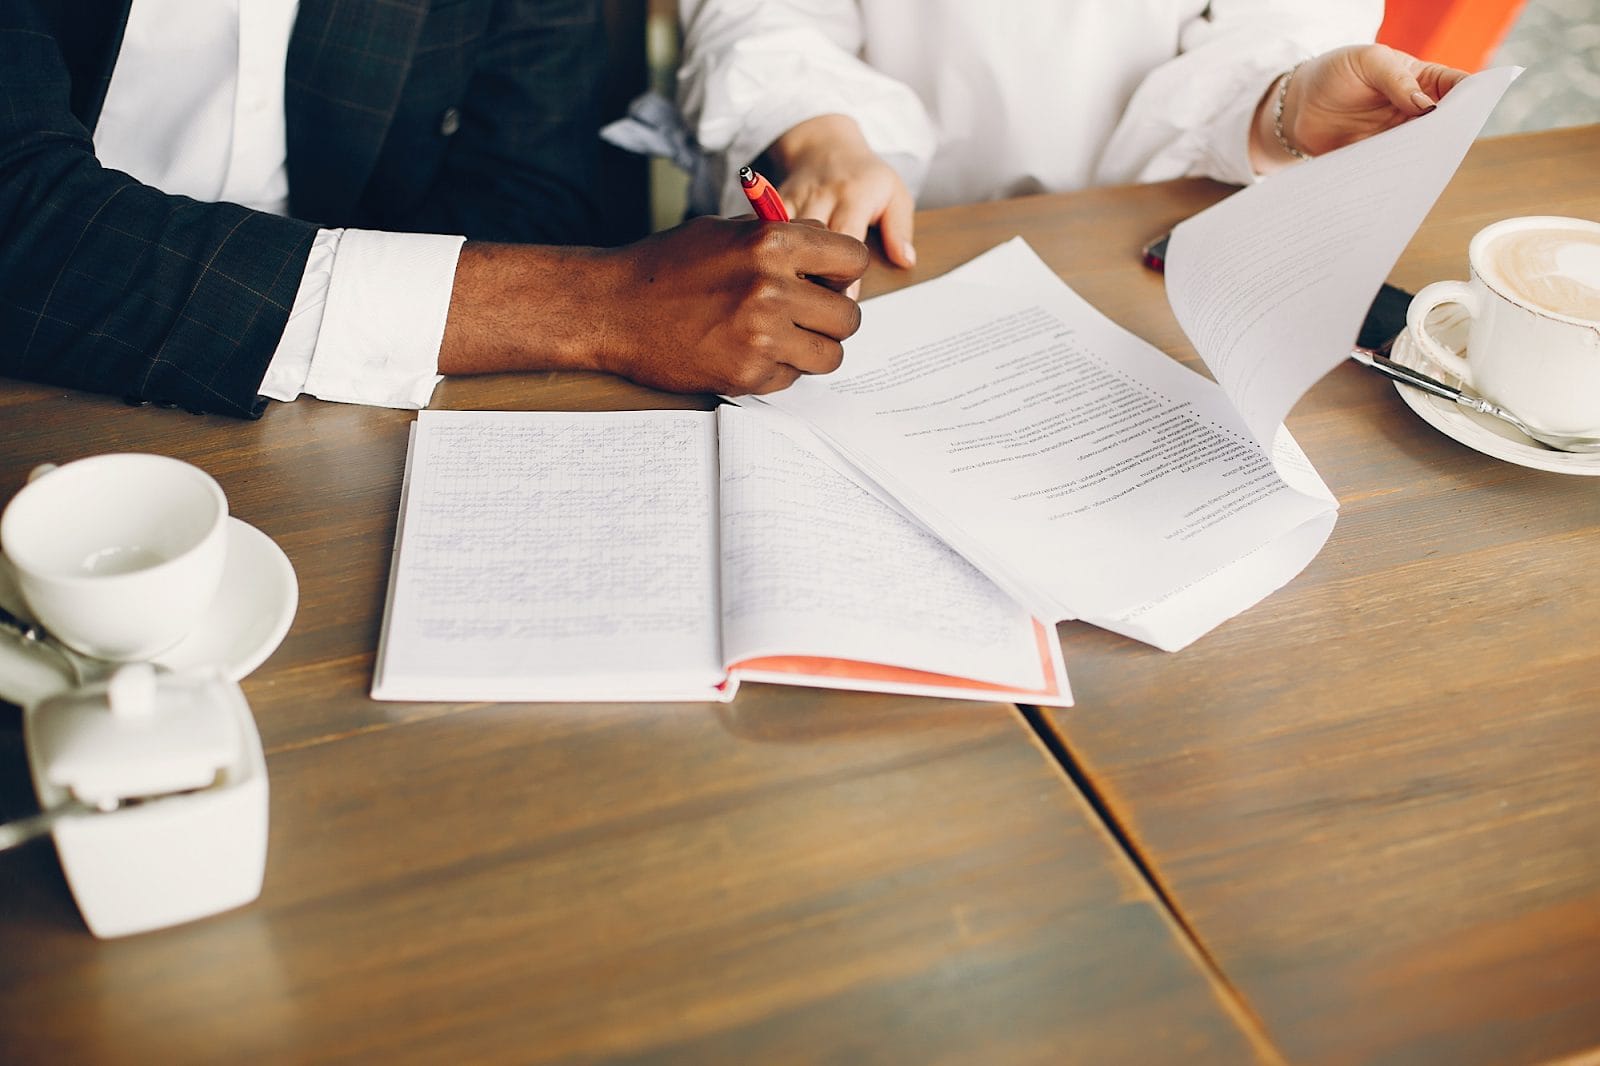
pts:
pixel 1480 432
pixel 249 617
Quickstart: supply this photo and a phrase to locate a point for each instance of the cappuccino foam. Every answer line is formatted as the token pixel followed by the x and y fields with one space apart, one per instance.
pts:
pixel 1552 268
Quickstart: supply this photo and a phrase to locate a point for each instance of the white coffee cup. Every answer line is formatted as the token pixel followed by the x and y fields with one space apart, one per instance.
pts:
pixel 118 555
pixel 1533 345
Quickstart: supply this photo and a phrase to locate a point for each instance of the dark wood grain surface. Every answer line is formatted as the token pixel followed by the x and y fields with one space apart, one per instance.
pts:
pixel 800 876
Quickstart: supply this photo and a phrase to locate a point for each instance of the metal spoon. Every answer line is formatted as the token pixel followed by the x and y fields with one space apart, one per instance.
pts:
pixel 1416 379
pixel 86 669
pixel 32 826
pixel 22 830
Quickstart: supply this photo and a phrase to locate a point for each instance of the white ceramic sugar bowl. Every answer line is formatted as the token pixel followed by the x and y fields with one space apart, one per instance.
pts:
pixel 167 789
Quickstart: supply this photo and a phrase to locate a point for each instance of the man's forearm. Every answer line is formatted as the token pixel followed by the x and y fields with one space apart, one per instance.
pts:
pixel 715 305
pixel 524 307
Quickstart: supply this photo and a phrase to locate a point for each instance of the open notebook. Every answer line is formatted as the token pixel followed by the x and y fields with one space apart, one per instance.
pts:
pixel 669 555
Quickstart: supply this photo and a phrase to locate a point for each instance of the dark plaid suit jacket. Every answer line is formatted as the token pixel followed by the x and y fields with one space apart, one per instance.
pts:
pixel 475 117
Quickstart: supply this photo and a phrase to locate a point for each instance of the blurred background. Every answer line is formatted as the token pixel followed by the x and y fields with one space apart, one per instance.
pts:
pixel 1559 42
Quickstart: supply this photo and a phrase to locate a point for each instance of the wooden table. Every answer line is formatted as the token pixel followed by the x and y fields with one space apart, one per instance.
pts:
pixel 1374 799
pixel 800 876
pixel 1351 825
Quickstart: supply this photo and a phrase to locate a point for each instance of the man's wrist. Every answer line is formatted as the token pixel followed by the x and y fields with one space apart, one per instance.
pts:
pixel 526 307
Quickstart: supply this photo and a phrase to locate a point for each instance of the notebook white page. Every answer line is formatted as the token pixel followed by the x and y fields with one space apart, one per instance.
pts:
pixel 573 557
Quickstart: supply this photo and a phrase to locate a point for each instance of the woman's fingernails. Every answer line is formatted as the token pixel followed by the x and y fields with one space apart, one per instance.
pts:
pixel 908 253
pixel 1423 101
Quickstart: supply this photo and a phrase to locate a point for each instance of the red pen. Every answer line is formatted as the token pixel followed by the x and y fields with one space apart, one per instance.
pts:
pixel 762 196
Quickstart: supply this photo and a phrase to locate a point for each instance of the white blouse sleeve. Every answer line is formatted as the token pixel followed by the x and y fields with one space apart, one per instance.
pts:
pixel 1191 116
pixel 752 69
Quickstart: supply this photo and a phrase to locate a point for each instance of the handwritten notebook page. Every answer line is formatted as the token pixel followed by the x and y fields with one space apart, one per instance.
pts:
pixel 576 550
pixel 821 578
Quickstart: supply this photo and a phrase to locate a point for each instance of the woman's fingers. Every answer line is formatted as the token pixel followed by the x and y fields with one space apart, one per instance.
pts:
pixel 1394 74
pixel 894 226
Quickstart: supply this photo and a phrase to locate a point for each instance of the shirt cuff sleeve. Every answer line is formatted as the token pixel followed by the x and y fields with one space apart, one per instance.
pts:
pixel 286 374
pixel 1227 139
pixel 368 320
pixel 743 97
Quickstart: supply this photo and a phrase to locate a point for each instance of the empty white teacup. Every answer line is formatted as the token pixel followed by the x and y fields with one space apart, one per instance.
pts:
pixel 118 555
pixel 1533 345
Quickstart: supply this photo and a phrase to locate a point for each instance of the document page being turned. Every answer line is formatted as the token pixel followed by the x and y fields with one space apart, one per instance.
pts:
pixel 1084 470
pixel 1271 283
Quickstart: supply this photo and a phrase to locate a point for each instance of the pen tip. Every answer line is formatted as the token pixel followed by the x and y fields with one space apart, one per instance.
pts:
pixel 747 177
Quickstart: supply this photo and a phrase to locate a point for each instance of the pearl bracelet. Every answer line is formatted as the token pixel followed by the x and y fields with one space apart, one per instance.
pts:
pixel 1277 113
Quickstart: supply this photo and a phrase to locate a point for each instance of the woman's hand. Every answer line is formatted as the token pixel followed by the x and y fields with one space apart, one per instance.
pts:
pixel 1344 96
pixel 829 173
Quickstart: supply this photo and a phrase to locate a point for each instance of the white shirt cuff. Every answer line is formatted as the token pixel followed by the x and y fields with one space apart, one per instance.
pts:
pixel 368 320
pixel 286 374
pixel 1228 139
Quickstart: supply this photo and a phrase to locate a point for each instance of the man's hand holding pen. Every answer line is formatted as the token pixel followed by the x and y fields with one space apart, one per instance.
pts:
pixel 758 305
pixel 729 306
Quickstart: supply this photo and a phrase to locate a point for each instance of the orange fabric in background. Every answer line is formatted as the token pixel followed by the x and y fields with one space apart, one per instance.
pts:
pixel 1459 33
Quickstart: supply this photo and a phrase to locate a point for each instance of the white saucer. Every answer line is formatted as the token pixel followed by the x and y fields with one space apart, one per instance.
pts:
pixel 254 606
pixel 1480 432
pixel 245 623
